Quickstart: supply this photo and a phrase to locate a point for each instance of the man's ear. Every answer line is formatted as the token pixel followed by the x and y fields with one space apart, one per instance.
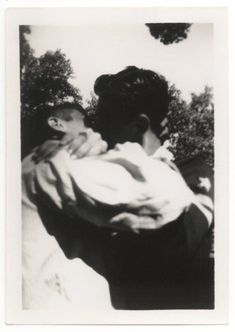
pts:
pixel 56 123
pixel 143 123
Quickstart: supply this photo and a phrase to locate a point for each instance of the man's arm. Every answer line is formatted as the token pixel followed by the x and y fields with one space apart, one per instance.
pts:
pixel 196 220
pixel 199 219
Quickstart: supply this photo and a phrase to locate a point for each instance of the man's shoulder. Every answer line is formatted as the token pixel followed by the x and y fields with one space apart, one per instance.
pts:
pixel 194 165
pixel 197 161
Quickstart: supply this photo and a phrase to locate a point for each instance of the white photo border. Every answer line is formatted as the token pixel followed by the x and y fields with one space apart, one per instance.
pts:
pixel 69 16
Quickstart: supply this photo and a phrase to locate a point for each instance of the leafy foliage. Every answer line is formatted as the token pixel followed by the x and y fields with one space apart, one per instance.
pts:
pixel 91 110
pixel 169 33
pixel 45 82
pixel 191 126
pixel 26 52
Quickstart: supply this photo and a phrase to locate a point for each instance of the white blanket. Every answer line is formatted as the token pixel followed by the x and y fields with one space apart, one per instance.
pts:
pixel 125 179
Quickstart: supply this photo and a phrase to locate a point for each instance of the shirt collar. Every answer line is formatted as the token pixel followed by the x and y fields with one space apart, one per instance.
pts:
pixel 163 153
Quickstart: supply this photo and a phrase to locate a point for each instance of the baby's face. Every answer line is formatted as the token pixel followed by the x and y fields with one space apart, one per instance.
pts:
pixel 76 124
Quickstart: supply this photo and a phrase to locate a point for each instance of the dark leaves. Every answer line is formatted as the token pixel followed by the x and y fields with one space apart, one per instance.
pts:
pixel 169 33
pixel 191 126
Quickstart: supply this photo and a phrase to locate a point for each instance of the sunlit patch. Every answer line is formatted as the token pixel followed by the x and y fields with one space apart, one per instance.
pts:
pixel 204 183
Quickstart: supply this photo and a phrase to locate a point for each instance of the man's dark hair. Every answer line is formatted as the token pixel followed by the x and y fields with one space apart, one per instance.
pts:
pixel 131 92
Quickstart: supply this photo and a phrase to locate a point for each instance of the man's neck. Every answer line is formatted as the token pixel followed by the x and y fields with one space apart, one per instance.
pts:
pixel 150 142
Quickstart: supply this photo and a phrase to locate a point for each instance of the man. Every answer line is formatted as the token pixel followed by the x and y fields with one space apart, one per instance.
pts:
pixel 50 281
pixel 170 267
pixel 162 267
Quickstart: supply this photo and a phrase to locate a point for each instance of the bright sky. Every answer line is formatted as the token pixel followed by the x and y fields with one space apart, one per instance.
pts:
pixel 101 49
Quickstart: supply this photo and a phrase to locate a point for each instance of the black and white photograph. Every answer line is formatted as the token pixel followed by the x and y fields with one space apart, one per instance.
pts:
pixel 116 127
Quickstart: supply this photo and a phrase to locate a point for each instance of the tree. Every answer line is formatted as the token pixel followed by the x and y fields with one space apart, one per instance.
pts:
pixel 191 126
pixel 26 52
pixel 169 33
pixel 91 110
pixel 44 82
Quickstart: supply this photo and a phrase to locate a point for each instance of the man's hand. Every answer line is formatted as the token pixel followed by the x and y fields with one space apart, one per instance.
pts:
pixel 86 143
pixel 134 223
pixel 46 151
pixel 124 221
